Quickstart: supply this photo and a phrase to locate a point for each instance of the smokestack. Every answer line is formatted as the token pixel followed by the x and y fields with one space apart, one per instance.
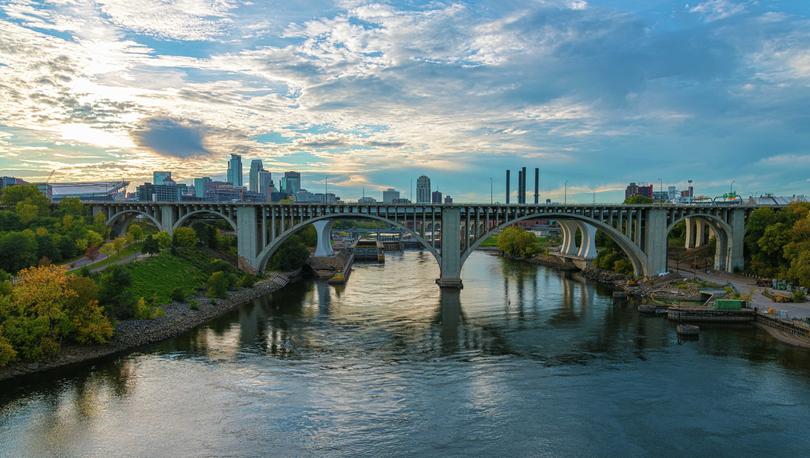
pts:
pixel 507 186
pixel 536 185
pixel 523 186
pixel 520 186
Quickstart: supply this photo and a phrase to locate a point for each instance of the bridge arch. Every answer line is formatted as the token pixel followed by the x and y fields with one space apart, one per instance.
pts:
pixel 723 231
pixel 185 218
pixel 637 257
pixel 264 256
pixel 113 220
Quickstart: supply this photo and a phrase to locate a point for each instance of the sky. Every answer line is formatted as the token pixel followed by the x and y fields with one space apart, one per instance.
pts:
pixel 371 95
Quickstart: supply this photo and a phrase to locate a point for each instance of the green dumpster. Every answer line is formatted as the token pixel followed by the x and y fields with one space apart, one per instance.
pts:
pixel 728 304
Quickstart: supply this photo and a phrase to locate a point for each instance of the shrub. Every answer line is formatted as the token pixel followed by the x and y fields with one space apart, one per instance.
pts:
pixel 193 304
pixel 217 285
pixel 114 293
pixel 799 296
pixel 147 310
pixel 218 265
pixel 247 281
pixel 184 237
pixel 7 352
pixel 178 295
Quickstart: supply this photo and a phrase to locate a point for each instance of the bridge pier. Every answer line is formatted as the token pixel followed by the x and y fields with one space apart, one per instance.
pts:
pixel 247 239
pixel 587 246
pixel 451 249
pixel 323 229
pixel 167 218
pixel 737 223
pixel 655 238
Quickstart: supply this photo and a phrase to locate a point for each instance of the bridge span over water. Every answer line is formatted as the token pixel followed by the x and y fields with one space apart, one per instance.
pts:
pixel 452 232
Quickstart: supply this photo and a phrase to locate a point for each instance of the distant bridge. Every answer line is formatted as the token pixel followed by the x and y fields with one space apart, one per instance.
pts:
pixel 640 230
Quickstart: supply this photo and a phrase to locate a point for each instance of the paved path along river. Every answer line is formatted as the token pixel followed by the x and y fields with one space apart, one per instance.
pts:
pixel 525 361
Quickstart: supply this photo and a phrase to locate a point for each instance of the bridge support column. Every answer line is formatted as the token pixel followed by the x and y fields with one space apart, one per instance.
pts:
pixel 569 242
pixel 587 246
pixel 451 249
pixel 737 262
pixel 689 233
pixel 324 230
pixel 655 246
pixel 247 239
pixel 700 233
pixel 167 219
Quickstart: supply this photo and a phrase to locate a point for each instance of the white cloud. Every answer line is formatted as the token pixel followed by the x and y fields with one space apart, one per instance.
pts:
pixel 713 10
pixel 175 19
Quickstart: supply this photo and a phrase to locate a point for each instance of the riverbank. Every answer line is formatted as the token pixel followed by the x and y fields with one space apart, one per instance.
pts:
pixel 131 334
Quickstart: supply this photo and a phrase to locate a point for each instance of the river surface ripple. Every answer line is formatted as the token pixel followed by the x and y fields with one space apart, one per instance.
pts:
pixel 524 361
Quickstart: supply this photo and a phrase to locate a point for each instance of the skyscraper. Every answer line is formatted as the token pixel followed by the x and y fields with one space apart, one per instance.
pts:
pixel 291 182
pixel 199 186
pixel 160 177
pixel 265 185
pixel 235 170
pixel 423 190
pixel 437 197
pixel 389 195
pixel 255 168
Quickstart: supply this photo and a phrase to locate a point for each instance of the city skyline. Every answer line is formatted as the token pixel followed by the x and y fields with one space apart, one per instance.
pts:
pixel 595 94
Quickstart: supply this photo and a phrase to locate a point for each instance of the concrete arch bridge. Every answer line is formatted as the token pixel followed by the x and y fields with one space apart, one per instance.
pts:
pixel 640 230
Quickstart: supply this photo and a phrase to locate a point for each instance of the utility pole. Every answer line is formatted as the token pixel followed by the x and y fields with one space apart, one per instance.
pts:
pixel 325 189
pixel 594 197
pixel 565 194
pixel 490 190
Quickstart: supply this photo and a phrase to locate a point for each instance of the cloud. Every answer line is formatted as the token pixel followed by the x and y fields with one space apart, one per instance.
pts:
pixel 170 137
pixel 179 20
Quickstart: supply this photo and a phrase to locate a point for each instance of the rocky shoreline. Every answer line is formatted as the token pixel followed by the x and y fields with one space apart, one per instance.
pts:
pixel 131 334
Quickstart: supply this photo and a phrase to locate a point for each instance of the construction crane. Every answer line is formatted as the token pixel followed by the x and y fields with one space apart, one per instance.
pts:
pixel 50 176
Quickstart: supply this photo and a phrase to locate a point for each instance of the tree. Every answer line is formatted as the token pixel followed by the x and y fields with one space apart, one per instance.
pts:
pixel 638 199
pixel 94 238
pixel 150 245
pixel 114 246
pixel 184 237
pixel 27 194
pixel 17 250
pixel 164 239
pixel 114 292
pixel 87 321
pixel 135 232
pixel 292 255
pixel 37 315
pixel 71 206
pixel 7 352
pixel 217 284
pixel 518 242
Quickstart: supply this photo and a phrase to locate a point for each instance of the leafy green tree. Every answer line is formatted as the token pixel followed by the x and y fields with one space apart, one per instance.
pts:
pixel 184 237
pixel 150 245
pixel 638 199
pixel 94 238
pixel 217 285
pixel 71 206
pixel 518 242
pixel 17 250
pixel 28 194
pixel 87 323
pixel 135 232
pixel 7 352
pixel 164 239
pixel 291 255
pixel 114 292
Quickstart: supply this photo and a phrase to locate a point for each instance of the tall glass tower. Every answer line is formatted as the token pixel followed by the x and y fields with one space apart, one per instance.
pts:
pixel 235 170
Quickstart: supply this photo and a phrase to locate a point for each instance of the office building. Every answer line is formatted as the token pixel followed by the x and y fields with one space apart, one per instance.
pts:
pixel 199 186
pixel 235 170
pixel 638 190
pixel 266 187
pixel 167 192
pixel 389 195
pixel 291 182
pixel 436 197
pixel 423 190
pixel 255 168
pixel 161 177
pixel 448 199
pixel 366 200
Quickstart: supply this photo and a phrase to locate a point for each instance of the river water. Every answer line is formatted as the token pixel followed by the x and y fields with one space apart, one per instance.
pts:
pixel 524 361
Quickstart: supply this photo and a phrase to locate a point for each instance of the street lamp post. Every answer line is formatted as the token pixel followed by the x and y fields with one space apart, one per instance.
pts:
pixel 731 188
pixel 490 190
pixel 565 193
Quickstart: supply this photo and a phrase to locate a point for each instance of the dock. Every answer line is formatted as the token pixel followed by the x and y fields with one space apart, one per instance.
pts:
pixel 683 313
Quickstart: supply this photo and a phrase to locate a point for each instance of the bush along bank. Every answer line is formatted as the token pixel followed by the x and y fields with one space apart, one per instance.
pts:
pixel 176 318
